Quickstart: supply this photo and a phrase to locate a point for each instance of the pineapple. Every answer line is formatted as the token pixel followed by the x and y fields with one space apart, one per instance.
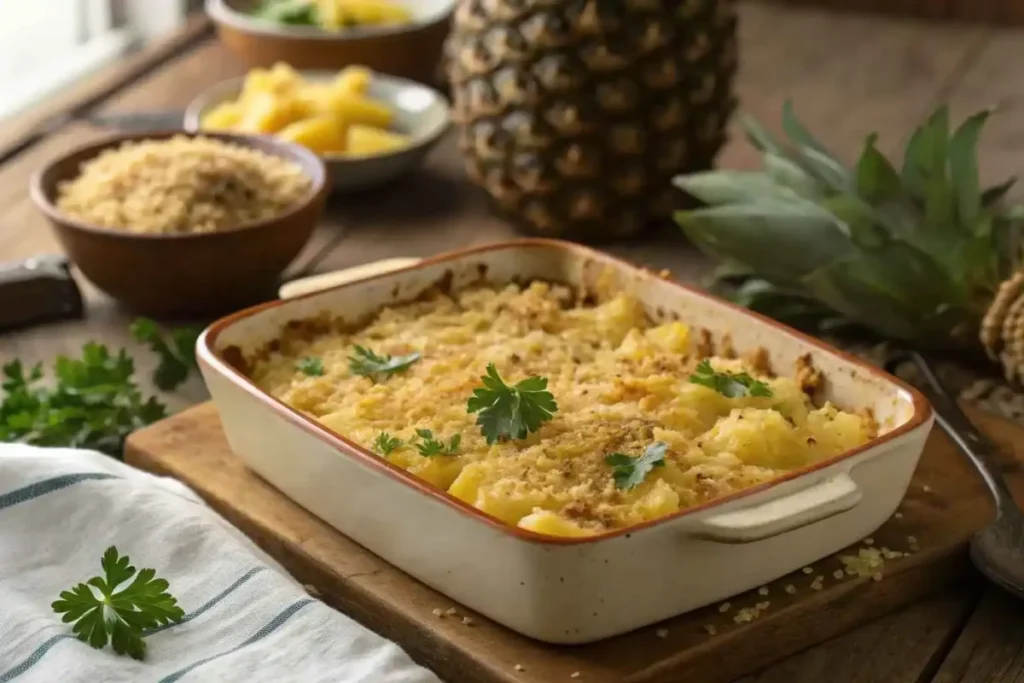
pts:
pixel 921 255
pixel 575 115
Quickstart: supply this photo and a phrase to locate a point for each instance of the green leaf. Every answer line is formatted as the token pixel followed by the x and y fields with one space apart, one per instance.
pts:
pixel 997 193
pixel 925 156
pixel 431 447
pixel 797 132
pixel 288 12
pixel 740 187
pixel 790 174
pixel 782 243
pixel 963 164
pixel 366 363
pixel 828 171
pixel 758 136
pixel 510 412
pixel 91 402
pixel 311 366
pixel 877 178
pixel 898 291
pixel 629 472
pixel 176 352
pixel 729 384
pixel 385 444
pixel 118 616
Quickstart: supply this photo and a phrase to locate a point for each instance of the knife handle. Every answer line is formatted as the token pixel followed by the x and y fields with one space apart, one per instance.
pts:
pixel 37 290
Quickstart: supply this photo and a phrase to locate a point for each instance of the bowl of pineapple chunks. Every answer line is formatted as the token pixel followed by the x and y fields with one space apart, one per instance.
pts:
pixel 400 37
pixel 369 128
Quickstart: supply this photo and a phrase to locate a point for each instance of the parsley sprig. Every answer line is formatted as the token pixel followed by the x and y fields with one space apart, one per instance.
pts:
pixel 731 385
pixel 176 350
pixel 366 363
pixel 430 446
pixel 310 366
pixel 629 472
pixel 101 613
pixel 511 412
pixel 385 444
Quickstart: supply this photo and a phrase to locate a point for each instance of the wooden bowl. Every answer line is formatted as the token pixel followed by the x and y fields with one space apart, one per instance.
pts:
pixel 420 112
pixel 412 51
pixel 192 275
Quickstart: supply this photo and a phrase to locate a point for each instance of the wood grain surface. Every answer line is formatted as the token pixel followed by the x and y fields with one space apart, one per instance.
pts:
pixel 945 505
pixel 848 74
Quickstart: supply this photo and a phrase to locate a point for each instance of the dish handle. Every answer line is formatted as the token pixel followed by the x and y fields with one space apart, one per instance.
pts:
pixel 816 502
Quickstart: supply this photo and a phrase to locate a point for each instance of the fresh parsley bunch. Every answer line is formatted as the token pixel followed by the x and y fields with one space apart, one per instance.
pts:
pixel 92 401
pixel 102 613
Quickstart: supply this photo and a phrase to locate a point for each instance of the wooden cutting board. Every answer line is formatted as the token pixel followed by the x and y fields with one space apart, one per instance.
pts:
pixel 945 505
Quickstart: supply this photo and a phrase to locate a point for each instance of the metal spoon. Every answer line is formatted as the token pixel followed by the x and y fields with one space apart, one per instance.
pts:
pixel 997 550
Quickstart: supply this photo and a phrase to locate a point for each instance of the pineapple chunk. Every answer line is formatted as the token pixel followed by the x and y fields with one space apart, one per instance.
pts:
pixel 367 140
pixel 440 471
pixel 549 523
pixel 283 79
pixel 257 81
pixel 762 438
pixel 672 337
pixel 225 116
pixel 269 113
pixel 467 484
pixel 375 12
pixel 356 109
pixel 353 80
pixel 321 134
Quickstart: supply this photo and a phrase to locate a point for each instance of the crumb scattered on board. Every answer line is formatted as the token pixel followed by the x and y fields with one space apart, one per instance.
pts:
pixel 661 633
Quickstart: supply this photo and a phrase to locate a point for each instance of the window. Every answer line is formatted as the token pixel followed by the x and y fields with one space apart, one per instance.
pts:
pixel 48 44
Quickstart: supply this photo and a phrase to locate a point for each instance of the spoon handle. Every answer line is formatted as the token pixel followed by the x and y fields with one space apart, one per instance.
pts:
pixel 981 451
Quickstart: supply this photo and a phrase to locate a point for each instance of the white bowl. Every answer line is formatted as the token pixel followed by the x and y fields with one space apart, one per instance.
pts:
pixel 569 590
pixel 423 13
pixel 421 112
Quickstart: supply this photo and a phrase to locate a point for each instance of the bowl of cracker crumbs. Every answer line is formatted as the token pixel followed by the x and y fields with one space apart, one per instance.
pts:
pixel 180 224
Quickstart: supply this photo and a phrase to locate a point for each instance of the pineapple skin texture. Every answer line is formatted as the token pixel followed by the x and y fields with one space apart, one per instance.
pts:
pixel 575 115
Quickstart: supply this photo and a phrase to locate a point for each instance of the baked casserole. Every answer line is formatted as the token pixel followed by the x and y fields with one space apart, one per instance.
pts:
pixel 624 419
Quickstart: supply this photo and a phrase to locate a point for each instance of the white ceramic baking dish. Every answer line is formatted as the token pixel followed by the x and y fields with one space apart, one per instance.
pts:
pixel 569 590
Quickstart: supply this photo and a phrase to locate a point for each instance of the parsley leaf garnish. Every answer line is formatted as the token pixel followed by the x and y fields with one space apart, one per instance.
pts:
pixel 366 363
pixel 93 402
pixel 311 366
pixel 430 447
pixel 102 613
pixel 176 351
pixel 385 444
pixel 731 385
pixel 629 472
pixel 511 412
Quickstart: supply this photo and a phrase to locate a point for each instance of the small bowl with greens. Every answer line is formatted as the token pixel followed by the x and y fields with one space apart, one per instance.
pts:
pixel 400 37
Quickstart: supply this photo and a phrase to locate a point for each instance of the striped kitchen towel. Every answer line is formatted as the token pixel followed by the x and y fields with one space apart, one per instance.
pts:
pixel 246 619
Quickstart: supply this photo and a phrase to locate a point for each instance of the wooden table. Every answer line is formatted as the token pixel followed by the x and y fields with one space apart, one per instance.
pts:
pixel 848 75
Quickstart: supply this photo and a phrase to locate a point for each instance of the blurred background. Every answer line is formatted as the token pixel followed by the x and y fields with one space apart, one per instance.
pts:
pixel 47 45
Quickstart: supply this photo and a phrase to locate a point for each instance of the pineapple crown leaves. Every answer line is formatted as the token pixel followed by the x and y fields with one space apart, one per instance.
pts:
pixel 914 254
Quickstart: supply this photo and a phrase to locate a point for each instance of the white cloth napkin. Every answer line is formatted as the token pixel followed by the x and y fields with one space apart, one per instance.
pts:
pixel 246 619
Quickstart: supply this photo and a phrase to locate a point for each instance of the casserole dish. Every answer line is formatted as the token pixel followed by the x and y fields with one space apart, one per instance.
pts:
pixel 569 590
